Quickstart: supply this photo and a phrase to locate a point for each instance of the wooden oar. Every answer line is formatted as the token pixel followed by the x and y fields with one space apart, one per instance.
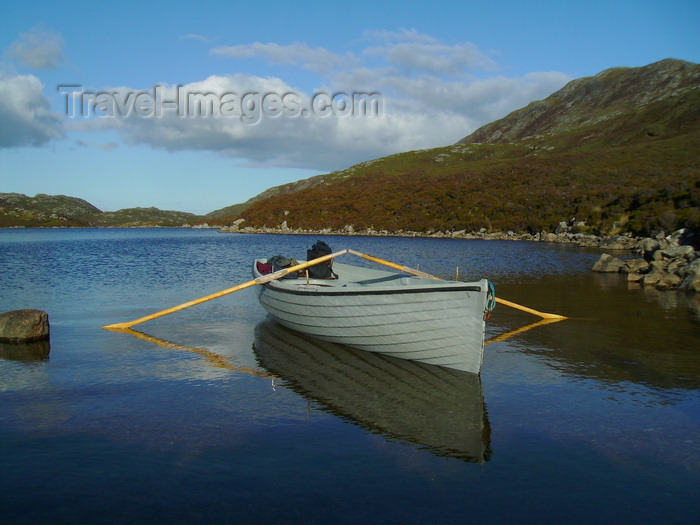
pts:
pixel 260 280
pixel 406 269
pixel 393 265
pixel 543 315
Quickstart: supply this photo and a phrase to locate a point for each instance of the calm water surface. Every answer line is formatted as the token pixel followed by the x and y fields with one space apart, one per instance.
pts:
pixel 215 414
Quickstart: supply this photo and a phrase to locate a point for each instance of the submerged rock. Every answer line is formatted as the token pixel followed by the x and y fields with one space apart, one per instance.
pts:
pixel 23 326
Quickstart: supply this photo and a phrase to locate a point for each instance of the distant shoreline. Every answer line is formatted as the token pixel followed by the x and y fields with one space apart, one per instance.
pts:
pixel 615 242
pixel 621 242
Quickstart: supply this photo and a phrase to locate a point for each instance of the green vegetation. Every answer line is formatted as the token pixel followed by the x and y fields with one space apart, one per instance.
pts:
pixel 47 211
pixel 618 151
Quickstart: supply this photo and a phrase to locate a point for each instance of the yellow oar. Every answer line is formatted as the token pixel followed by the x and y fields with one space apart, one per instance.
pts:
pixel 393 265
pixel 260 280
pixel 406 269
pixel 543 315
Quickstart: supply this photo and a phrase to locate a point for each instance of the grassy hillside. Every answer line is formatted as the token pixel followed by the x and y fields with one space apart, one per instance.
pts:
pixel 618 151
pixel 145 217
pixel 17 210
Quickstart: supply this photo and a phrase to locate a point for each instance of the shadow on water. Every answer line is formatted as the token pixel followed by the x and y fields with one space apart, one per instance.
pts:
pixel 35 351
pixel 436 408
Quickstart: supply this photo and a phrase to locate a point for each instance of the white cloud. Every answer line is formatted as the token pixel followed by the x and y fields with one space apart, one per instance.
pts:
pixel 316 59
pixel 414 52
pixel 293 141
pixel 25 116
pixel 480 100
pixel 194 36
pixel 38 48
pixel 430 92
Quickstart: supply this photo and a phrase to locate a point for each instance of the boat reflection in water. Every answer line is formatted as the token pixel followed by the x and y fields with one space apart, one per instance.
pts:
pixel 434 407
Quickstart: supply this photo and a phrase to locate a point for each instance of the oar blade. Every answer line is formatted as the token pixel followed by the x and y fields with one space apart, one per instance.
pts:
pixel 522 308
pixel 118 326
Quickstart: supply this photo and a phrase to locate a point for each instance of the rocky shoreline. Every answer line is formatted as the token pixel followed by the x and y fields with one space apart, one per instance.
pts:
pixel 562 234
pixel 665 262
pixel 662 262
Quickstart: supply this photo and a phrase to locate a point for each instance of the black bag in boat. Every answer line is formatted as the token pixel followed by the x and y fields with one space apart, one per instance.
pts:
pixel 322 270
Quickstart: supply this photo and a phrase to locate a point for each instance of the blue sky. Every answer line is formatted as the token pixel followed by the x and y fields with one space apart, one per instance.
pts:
pixel 435 72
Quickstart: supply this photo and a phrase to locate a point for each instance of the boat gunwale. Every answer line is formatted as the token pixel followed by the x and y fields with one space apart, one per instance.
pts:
pixel 332 291
pixel 332 287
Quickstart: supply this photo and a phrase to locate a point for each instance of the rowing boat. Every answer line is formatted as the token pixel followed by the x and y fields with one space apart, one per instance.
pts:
pixel 392 313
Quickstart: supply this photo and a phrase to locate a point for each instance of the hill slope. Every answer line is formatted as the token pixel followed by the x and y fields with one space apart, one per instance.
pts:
pixel 43 210
pixel 275 191
pixel 621 99
pixel 618 151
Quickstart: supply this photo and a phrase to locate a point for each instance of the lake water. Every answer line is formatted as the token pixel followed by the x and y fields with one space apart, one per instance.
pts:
pixel 219 415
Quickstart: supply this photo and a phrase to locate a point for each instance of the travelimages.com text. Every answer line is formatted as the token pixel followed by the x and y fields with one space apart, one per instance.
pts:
pixel 249 107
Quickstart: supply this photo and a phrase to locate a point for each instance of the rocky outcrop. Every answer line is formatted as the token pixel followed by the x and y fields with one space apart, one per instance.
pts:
pixel 663 262
pixel 24 326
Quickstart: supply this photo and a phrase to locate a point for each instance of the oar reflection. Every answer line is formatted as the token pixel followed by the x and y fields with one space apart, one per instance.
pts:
pixel 212 358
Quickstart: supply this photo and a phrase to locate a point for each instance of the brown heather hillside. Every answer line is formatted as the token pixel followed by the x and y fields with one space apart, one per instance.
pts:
pixel 618 150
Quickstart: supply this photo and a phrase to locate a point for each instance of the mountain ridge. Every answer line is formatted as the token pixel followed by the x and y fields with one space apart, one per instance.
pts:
pixel 609 91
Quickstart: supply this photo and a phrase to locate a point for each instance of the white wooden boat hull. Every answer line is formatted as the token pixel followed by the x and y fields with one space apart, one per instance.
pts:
pixel 421 319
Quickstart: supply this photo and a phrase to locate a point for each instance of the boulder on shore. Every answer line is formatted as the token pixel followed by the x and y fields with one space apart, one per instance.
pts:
pixel 23 326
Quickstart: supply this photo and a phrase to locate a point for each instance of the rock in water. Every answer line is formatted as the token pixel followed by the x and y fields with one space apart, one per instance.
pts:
pixel 23 326
pixel 608 264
